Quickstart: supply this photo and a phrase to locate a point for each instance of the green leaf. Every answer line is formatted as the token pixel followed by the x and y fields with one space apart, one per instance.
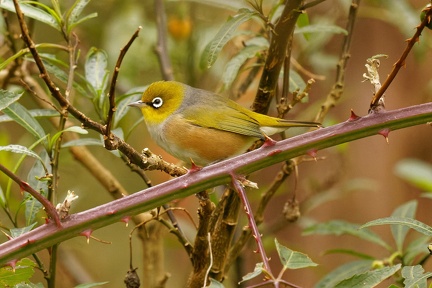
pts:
pixel 16 232
pixel 75 129
pixel 35 113
pixel 24 270
pixel 84 142
pixel 296 82
pixel 338 227
pixel 21 115
pixel 74 13
pixel 370 278
pixel 349 252
pixel 259 268
pixel 32 205
pixel 96 74
pixel 415 248
pixel 416 172
pixel 343 272
pixel 123 102
pixel 225 34
pixel 415 277
pixel 411 223
pixel 32 12
pixel 20 150
pixel 8 97
pixel 233 66
pixel 399 232
pixel 89 285
pixel 320 28
pixel 215 284
pixel 292 259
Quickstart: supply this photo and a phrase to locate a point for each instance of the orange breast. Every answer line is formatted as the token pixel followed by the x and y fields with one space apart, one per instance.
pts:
pixel 203 145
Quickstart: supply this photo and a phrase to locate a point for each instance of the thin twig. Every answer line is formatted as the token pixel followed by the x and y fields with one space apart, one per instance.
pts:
pixel 252 224
pixel 50 209
pixel 401 61
pixel 161 46
pixel 338 87
pixel 111 94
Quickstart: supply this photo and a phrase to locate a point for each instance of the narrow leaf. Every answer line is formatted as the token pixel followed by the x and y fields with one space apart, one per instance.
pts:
pixel 75 129
pixel 292 259
pixel 20 150
pixel 370 278
pixel 416 172
pixel 343 272
pixel 123 102
pixel 233 66
pixel 32 12
pixel 89 285
pixel 225 34
pixel 411 223
pixel 415 248
pixel 96 69
pixel 21 115
pixel 8 97
pixel 338 227
pixel 35 113
pixel 415 277
pixel 75 11
pixel 83 142
pixel 320 29
pixel 399 232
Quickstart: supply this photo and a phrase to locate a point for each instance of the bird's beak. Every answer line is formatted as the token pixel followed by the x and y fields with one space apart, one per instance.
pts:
pixel 138 104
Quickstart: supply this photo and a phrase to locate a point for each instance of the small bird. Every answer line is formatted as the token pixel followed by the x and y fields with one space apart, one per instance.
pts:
pixel 201 126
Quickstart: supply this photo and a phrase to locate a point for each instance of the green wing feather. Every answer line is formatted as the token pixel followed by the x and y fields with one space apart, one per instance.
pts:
pixel 223 114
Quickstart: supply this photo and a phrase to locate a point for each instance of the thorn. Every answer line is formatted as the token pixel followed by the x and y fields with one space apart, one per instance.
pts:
pixel 353 116
pixel 385 132
pixel 112 212
pixel 268 142
pixel 12 264
pixel 126 219
pixel 194 167
pixel 312 153
pixel 275 152
pixel 87 233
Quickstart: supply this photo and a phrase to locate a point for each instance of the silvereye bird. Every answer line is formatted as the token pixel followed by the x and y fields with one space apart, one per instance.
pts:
pixel 198 125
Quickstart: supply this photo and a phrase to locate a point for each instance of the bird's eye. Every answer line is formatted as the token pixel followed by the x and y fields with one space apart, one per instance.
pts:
pixel 157 102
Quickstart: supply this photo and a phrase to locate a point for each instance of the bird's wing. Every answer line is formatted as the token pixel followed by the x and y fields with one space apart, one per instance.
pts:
pixel 227 118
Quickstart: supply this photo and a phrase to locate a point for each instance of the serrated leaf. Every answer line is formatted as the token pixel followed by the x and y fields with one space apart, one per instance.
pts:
pixel 292 259
pixel 32 12
pixel 21 116
pixel 338 227
pixel 343 272
pixel 399 232
pixel 411 223
pixel 370 278
pixel 24 270
pixel 84 142
pixel 16 232
pixel 8 97
pixel 320 28
pixel 233 66
pixel 19 149
pixel 89 285
pixel 416 172
pixel 225 34
pixel 415 277
pixel 259 267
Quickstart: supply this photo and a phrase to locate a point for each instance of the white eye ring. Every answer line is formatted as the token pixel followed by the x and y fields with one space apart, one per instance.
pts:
pixel 157 102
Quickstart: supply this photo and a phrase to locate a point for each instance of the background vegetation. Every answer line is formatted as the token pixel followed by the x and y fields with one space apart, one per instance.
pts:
pixel 319 204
